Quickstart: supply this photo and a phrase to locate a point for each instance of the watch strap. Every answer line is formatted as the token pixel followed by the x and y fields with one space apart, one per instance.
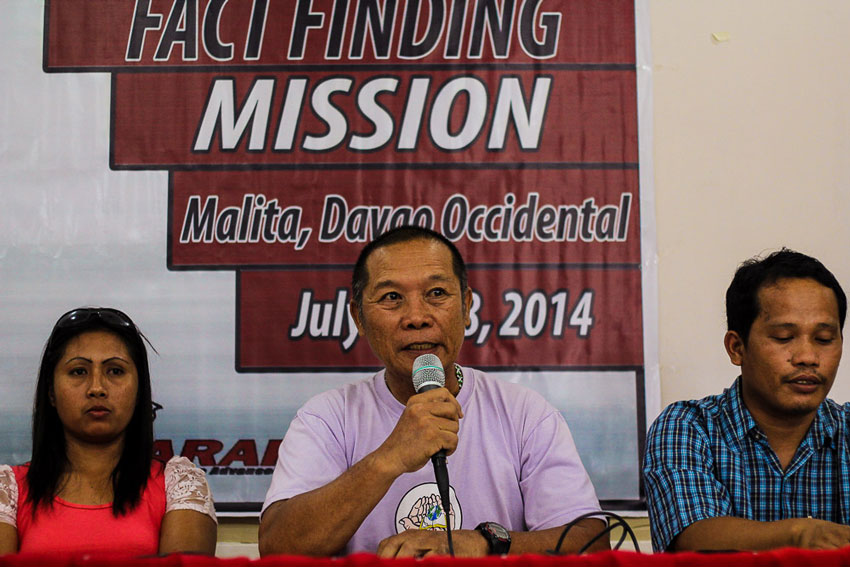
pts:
pixel 498 538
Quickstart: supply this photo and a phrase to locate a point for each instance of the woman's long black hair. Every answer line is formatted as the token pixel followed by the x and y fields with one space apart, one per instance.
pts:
pixel 49 459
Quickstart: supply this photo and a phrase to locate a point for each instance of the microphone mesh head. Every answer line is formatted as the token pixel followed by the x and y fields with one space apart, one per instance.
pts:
pixel 428 370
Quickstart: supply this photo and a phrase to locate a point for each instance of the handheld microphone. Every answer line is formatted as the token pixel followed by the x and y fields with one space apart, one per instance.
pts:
pixel 428 374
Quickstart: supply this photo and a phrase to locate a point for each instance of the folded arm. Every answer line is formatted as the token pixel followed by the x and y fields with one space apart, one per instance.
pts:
pixel 187 531
pixel 189 523
pixel 8 511
pixel 8 539
pixel 726 533
pixel 320 522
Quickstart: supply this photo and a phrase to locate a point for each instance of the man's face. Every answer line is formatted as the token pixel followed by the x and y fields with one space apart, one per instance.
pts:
pixel 412 305
pixel 789 362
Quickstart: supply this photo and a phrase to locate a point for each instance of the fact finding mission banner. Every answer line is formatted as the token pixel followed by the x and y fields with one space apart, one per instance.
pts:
pixel 290 133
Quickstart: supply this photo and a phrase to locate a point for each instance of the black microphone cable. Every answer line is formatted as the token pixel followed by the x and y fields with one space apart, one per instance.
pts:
pixel 446 501
pixel 618 523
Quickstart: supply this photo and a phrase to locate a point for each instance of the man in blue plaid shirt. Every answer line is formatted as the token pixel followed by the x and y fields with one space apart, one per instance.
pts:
pixel 765 464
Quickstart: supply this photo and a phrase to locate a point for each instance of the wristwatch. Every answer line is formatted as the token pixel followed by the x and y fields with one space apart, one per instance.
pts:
pixel 498 538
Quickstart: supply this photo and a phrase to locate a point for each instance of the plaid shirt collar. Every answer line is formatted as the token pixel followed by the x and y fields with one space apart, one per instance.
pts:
pixel 741 423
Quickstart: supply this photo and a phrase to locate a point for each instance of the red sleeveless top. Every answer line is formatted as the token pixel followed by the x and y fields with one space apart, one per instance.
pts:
pixel 78 528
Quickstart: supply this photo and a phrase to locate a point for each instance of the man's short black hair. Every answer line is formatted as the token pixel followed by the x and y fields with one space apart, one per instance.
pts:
pixel 742 306
pixel 360 276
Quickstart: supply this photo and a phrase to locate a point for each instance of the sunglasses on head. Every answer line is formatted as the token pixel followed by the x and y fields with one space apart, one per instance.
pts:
pixel 106 314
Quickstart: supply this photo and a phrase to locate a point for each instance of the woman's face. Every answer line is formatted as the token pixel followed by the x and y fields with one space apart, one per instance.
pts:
pixel 95 384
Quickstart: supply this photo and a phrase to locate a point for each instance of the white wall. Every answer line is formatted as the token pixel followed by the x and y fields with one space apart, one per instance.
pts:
pixel 751 153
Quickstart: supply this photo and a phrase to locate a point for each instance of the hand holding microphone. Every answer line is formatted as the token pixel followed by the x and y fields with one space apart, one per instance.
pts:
pixel 428 424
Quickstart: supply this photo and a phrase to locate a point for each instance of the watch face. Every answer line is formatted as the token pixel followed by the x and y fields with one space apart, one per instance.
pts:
pixel 498 531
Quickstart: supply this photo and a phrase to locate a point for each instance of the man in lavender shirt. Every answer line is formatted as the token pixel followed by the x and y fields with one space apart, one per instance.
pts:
pixel 351 472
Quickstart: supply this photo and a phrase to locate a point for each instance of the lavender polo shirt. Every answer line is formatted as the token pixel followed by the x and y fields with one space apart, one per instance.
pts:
pixel 515 464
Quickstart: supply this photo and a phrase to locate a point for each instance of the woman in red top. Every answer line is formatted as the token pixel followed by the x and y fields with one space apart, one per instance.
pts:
pixel 92 484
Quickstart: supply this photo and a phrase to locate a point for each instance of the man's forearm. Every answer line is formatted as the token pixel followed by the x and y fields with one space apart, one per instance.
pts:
pixel 542 541
pixel 322 521
pixel 470 543
pixel 739 534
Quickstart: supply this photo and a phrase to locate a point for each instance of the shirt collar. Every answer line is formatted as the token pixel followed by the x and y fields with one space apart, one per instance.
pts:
pixel 825 427
pixel 741 419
